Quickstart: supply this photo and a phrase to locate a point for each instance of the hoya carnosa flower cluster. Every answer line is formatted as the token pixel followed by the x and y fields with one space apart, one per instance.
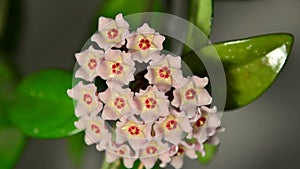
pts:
pixel 152 114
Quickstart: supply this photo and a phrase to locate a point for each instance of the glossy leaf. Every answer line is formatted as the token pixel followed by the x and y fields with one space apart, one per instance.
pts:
pixel 201 15
pixel 42 108
pixel 11 144
pixel 251 65
pixel 210 151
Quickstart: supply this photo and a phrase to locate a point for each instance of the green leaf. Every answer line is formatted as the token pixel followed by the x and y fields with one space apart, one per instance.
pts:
pixel 12 142
pixel 42 108
pixel 210 151
pixel 76 149
pixel 201 15
pixel 251 65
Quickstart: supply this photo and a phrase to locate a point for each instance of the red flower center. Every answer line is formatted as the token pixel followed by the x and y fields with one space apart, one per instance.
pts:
pixel 134 130
pixel 87 99
pixel 119 103
pixel 200 122
pixel 190 94
pixel 92 64
pixel 171 125
pixel 151 150
pixel 150 103
pixel 117 68
pixel 95 128
pixel 164 72
pixel 144 44
pixel 113 33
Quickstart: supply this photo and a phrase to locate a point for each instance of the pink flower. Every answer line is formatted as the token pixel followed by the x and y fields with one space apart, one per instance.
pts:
pixel 173 127
pixel 86 97
pixel 118 102
pixel 135 133
pixel 152 151
pixel 95 131
pixel 206 124
pixel 145 44
pixel 165 73
pixel 111 33
pixel 151 104
pixel 191 94
pixel 182 149
pixel 117 67
pixel 123 151
pixel 88 61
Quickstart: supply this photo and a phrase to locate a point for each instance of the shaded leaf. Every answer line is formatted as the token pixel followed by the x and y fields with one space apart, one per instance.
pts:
pixel 12 142
pixel 201 15
pixel 210 152
pixel 251 65
pixel 42 108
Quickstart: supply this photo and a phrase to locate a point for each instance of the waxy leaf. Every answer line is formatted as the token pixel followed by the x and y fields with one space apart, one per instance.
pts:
pixel 11 144
pixel 210 151
pixel 251 65
pixel 201 15
pixel 42 108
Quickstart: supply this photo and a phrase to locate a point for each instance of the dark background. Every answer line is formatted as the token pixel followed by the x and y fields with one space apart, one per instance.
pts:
pixel 263 135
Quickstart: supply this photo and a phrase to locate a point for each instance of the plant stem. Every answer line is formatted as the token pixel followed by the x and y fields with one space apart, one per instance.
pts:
pixel 141 166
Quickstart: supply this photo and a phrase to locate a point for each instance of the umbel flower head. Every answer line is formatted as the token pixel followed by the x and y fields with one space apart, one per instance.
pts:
pixel 148 115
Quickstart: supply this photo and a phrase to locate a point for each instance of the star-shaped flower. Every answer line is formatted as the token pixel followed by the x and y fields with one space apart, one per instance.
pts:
pixel 115 152
pixel 117 67
pixel 111 33
pixel 95 131
pixel 88 61
pixel 151 104
pixel 135 133
pixel 118 102
pixel 206 125
pixel 165 73
pixel 173 127
pixel 154 150
pixel 145 44
pixel 87 99
pixel 191 94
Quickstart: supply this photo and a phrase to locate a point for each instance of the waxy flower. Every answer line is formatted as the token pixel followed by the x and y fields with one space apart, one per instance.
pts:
pixel 95 131
pixel 191 94
pixel 117 67
pixel 178 153
pixel 206 124
pixel 88 61
pixel 145 44
pixel 165 72
pixel 87 99
pixel 111 33
pixel 134 132
pixel 118 102
pixel 173 127
pixel 139 115
pixel 115 152
pixel 151 104
pixel 155 149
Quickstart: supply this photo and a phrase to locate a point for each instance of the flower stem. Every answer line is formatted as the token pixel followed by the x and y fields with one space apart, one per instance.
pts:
pixel 141 166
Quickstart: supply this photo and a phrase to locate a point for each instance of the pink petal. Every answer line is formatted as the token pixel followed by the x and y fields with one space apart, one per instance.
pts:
pixel 177 162
pixel 148 162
